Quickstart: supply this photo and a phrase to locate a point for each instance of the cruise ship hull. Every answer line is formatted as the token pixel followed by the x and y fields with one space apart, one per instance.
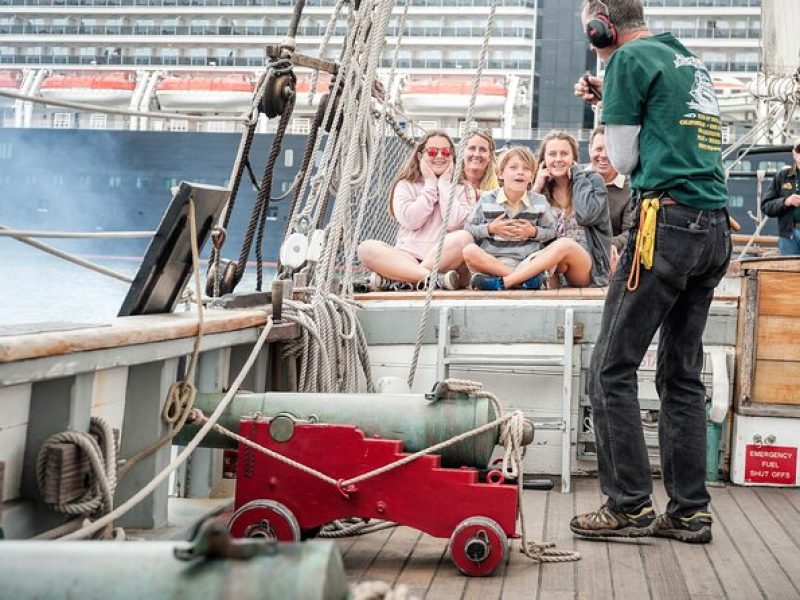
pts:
pixel 120 180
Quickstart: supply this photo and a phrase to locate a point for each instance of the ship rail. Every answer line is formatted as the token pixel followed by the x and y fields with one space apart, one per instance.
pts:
pixel 57 376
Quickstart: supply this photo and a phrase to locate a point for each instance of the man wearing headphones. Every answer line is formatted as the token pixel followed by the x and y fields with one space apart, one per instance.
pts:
pixel 663 129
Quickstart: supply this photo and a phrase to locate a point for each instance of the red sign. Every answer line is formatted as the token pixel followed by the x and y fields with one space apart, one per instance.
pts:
pixel 770 464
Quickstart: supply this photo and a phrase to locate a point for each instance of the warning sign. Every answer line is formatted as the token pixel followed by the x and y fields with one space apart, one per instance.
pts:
pixel 770 464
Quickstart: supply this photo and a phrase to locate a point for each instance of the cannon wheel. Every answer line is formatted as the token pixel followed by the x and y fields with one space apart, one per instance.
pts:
pixel 478 545
pixel 267 519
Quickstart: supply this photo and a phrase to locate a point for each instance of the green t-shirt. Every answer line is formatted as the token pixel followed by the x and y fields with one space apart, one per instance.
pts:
pixel 655 82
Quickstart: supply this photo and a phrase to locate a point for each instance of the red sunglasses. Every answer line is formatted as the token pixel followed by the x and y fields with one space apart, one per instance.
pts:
pixel 434 152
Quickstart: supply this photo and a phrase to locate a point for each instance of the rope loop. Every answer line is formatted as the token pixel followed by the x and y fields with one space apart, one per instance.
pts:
pixel 100 447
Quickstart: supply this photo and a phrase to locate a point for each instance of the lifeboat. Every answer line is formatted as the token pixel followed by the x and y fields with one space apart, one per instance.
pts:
pixel 734 99
pixel 10 81
pixel 104 88
pixel 452 95
pixel 725 86
pixel 205 93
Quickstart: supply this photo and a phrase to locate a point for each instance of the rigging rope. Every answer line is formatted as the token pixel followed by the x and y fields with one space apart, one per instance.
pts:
pixel 451 200
pixel 71 257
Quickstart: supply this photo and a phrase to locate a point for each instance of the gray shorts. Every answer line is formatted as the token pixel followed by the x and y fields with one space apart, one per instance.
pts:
pixel 512 262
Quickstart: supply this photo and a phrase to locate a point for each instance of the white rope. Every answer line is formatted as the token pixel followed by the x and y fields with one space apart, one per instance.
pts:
pixel 185 453
pixel 77 234
pixel 102 456
pixel 451 200
pixel 184 387
pixel 71 258
pixel 329 29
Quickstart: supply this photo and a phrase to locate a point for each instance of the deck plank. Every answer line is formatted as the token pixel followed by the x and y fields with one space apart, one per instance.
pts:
pixel 776 501
pixel 392 558
pixel 778 543
pixel 734 574
pixel 522 575
pixel 701 578
pixel 447 582
pixel 772 582
pixel 664 576
pixel 793 497
pixel 594 569
pixel 558 579
pixel 628 576
pixel 363 552
pixel 427 557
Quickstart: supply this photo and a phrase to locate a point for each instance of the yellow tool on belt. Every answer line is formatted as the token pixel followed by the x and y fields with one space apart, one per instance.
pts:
pixel 645 241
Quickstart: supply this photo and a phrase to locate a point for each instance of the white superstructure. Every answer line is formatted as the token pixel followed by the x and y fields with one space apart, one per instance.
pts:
pixel 213 46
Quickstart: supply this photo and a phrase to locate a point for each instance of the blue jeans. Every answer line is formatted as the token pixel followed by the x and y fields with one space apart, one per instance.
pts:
pixel 692 253
pixel 791 245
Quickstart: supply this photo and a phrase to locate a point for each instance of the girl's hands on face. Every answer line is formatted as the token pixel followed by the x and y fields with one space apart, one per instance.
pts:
pixel 425 168
pixel 542 178
pixel 447 175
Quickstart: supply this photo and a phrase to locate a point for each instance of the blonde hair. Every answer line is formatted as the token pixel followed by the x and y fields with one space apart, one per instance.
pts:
pixel 555 135
pixel 489 179
pixel 521 152
pixel 410 170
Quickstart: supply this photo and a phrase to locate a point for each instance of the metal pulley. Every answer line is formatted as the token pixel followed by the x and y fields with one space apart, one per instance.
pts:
pixel 225 272
pixel 280 87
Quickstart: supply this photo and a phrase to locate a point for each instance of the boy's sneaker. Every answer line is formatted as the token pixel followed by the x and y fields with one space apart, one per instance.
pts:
pixel 608 523
pixel 482 281
pixel 534 283
pixel 694 528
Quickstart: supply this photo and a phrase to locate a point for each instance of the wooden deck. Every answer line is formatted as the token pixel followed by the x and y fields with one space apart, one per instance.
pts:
pixel 754 554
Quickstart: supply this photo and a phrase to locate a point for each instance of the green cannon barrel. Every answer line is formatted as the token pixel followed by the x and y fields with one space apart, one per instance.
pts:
pixel 418 420
pixel 99 570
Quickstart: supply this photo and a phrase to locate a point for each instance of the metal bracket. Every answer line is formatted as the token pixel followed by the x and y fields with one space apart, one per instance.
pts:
pixel 577 332
pixel 273 51
pixel 214 541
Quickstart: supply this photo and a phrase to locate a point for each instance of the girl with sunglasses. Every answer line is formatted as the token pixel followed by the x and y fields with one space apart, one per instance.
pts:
pixel 418 201
pixel 579 201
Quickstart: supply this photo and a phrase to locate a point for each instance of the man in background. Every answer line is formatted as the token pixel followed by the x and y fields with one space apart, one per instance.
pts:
pixel 620 207
pixel 782 201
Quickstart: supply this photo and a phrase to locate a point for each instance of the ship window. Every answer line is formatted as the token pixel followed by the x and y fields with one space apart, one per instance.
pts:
pixel 178 125
pixel 170 182
pixel 272 212
pixel 462 127
pixel 427 125
pixel 58 179
pixel 62 120
pixel 98 121
pixel 86 179
pixel 300 125
pixel 114 181
pixel 215 127
pixel 288 158
pixel 5 150
pixel 735 200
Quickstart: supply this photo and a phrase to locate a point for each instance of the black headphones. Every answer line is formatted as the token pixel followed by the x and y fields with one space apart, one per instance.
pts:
pixel 601 31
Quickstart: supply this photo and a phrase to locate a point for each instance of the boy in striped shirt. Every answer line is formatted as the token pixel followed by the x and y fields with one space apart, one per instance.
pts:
pixel 509 224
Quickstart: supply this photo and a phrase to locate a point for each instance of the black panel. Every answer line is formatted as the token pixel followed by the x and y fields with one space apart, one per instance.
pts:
pixel 167 264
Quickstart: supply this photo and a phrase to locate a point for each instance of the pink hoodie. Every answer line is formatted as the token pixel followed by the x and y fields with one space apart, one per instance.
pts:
pixel 420 207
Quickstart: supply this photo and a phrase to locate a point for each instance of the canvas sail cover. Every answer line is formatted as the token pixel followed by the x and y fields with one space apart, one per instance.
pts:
pixel 780 36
